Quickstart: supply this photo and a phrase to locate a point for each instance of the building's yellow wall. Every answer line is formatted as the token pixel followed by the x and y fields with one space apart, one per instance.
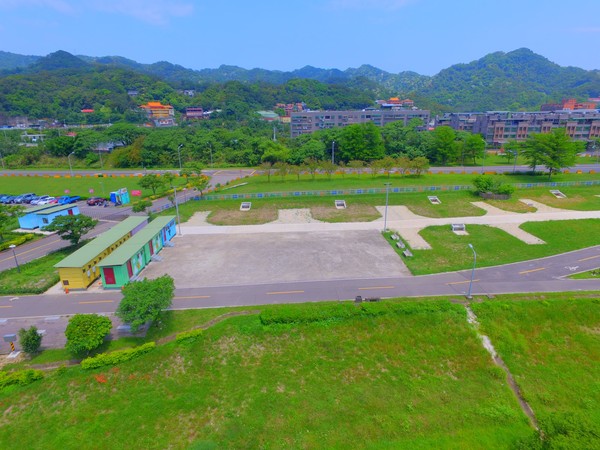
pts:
pixel 82 277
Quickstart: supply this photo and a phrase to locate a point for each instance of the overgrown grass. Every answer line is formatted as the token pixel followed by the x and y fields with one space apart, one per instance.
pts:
pixel 595 273
pixel 418 380
pixel 450 252
pixel 552 348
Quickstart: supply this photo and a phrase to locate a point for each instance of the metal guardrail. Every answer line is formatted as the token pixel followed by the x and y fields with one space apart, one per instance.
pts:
pixel 395 190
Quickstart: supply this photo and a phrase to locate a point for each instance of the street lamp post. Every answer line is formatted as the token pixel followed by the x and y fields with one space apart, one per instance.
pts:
pixel 179 154
pixel 177 209
pixel 387 191
pixel 70 166
pixel 472 271
pixel 12 247
pixel 515 155
pixel 483 159
pixel 332 152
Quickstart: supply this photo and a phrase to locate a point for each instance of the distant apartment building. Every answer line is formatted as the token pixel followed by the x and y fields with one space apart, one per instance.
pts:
pixel 159 115
pixel 500 127
pixel 396 103
pixel 306 122
pixel 569 104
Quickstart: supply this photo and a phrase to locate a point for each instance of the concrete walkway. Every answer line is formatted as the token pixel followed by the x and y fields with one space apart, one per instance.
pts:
pixel 404 222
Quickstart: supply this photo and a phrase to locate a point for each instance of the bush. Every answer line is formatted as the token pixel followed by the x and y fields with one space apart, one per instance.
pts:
pixel 189 336
pixel 21 377
pixel 485 183
pixel 19 240
pixel 86 332
pixel 110 359
pixel 144 300
pixel 30 340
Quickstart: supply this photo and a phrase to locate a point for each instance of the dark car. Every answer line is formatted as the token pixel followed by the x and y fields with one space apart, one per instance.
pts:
pixel 8 199
pixel 24 198
pixel 96 201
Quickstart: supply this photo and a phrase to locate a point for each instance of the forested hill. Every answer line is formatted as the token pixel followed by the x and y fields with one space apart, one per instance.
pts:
pixel 515 80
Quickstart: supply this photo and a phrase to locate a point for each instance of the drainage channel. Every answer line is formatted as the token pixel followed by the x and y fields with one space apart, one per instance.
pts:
pixel 487 344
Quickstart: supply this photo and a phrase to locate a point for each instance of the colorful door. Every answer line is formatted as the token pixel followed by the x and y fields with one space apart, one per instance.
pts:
pixel 151 248
pixel 109 275
pixel 129 269
pixel 70 212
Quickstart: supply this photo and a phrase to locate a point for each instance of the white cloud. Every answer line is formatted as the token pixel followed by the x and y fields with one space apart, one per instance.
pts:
pixel 157 12
pixel 387 5
pixel 62 6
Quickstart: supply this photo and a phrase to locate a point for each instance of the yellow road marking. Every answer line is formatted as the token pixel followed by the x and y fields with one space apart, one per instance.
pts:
pixel 375 287
pixel 587 259
pixel 96 301
pixel 461 282
pixel 191 297
pixel 532 270
pixel 30 250
pixel 284 292
pixel 6 306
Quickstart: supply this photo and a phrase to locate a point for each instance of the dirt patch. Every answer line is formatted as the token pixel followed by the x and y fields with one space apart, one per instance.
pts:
pixel 301 215
pixel 513 207
pixel 233 217
pixel 352 213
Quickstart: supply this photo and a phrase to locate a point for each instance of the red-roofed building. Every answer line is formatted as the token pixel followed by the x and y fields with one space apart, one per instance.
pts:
pixel 159 115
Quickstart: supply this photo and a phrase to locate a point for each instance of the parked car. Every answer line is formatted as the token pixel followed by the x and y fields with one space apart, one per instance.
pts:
pixel 8 199
pixel 96 201
pixel 4 198
pixel 66 199
pixel 24 198
pixel 48 200
pixel 36 201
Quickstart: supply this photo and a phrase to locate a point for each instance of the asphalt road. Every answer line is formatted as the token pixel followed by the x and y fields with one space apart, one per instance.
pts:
pixel 542 275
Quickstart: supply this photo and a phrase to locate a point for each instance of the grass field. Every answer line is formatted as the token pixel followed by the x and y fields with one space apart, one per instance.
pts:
pixel 414 380
pixel 450 252
pixel 552 348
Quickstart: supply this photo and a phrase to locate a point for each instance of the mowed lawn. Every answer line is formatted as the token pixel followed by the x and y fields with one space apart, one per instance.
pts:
pixel 451 252
pixel 419 379
pixel 552 347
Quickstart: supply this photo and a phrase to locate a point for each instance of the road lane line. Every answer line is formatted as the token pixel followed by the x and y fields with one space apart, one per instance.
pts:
pixel 30 250
pixel 375 287
pixel 6 306
pixel 587 259
pixel 191 297
pixel 461 282
pixel 532 270
pixel 96 301
pixel 284 292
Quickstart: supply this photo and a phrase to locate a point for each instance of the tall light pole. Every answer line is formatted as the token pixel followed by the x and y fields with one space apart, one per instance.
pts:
pixel 70 166
pixel 387 191
pixel 332 152
pixel 483 159
pixel 515 155
pixel 12 247
pixel 179 154
pixel 177 209
pixel 472 271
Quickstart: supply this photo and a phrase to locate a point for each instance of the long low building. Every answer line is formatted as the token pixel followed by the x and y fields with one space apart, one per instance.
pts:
pixel 44 215
pixel 81 268
pixel 125 264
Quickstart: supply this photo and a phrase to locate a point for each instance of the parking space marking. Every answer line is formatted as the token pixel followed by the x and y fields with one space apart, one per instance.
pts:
pixel 375 287
pixel 532 270
pixel 284 292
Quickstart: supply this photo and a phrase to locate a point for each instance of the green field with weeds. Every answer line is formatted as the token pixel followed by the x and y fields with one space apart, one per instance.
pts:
pixel 409 377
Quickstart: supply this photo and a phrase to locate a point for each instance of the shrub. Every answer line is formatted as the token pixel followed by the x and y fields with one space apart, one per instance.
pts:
pixel 30 340
pixel 21 377
pixel 485 183
pixel 144 300
pixel 86 332
pixel 189 336
pixel 110 359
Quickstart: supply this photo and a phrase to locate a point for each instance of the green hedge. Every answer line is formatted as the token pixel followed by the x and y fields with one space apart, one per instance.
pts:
pixel 110 359
pixel 189 336
pixel 296 314
pixel 19 240
pixel 21 377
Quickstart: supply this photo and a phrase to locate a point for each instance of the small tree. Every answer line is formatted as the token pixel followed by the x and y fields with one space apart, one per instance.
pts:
pixel 199 183
pixel 152 181
pixel 144 300
pixel 141 205
pixel 86 332
pixel 72 228
pixel 312 165
pixel 267 167
pixel 30 340
pixel 357 165
pixel 329 168
pixel 282 169
pixel 419 165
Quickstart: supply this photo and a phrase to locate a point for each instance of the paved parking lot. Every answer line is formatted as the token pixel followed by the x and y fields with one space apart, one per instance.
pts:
pixel 232 259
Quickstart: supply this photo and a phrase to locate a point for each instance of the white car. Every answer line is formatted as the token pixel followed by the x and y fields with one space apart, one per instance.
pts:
pixel 40 199
pixel 47 200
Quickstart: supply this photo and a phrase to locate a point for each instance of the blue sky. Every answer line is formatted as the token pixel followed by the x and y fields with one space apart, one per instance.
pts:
pixel 424 36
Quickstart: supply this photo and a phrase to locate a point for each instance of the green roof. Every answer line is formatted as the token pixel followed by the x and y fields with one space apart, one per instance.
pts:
pixel 55 209
pixel 89 251
pixel 40 208
pixel 133 245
